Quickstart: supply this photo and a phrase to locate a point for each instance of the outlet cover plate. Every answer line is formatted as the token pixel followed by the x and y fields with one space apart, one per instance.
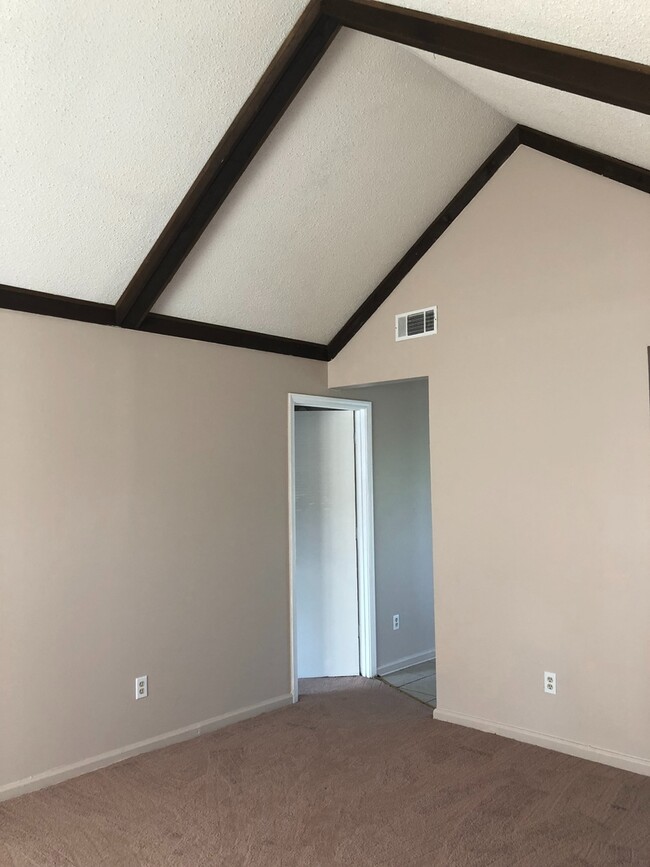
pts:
pixel 550 682
pixel 141 687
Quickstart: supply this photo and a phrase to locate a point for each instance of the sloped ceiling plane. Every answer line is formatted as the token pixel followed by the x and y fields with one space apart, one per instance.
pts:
pixel 344 133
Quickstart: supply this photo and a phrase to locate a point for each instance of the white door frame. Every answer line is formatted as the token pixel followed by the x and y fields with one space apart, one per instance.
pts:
pixel 365 528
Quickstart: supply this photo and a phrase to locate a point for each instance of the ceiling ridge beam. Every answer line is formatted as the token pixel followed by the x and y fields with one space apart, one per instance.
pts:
pixel 585 73
pixel 275 91
pixel 426 240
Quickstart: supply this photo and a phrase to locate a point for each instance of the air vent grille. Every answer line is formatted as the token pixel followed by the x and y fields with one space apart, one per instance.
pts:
pixel 417 323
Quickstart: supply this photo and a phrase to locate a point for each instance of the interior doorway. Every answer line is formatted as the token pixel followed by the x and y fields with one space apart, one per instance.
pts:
pixel 331 538
pixel 404 573
pixel 403 536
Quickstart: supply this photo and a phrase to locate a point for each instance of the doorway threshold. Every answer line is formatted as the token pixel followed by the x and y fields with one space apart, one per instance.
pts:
pixel 416 681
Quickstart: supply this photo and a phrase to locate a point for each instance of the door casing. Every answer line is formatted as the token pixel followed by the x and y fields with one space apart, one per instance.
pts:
pixel 365 528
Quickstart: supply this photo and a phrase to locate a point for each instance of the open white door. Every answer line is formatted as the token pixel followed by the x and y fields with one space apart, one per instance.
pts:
pixel 326 583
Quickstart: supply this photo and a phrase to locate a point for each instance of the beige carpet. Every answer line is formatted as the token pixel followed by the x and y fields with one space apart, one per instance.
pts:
pixel 356 774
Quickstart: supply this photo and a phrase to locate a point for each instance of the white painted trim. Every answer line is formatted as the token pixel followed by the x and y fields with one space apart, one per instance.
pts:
pixel 365 528
pixel 406 661
pixel 625 762
pixel 365 541
pixel 328 402
pixel 67 772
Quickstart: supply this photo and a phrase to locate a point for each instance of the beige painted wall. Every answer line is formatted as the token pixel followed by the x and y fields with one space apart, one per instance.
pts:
pixel 143 530
pixel 540 450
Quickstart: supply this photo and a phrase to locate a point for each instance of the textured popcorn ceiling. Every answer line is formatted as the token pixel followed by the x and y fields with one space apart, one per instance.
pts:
pixel 620 28
pixel 372 149
pixel 596 125
pixel 109 110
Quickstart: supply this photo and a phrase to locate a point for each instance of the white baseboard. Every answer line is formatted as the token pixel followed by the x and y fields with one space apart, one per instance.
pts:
pixel 67 772
pixel 636 764
pixel 405 661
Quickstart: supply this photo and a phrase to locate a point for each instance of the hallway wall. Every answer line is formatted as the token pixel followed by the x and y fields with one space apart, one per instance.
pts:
pixel 403 533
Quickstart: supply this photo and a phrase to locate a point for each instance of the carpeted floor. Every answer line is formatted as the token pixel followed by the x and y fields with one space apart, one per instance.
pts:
pixel 355 774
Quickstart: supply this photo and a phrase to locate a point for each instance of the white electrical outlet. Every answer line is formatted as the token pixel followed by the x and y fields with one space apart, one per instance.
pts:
pixel 395 621
pixel 550 682
pixel 141 687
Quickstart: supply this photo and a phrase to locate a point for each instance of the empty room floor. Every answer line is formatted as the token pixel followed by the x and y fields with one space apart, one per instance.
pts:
pixel 417 681
pixel 356 774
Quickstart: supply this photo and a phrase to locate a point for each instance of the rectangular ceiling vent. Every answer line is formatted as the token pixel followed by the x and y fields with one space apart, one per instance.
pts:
pixel 417 323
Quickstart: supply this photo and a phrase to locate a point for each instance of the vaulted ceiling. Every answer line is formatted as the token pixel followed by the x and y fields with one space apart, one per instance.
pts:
pixel 373 147
pixel 109 112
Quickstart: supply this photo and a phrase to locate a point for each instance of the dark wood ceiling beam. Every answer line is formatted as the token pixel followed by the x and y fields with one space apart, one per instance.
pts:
pixel 600 164
pixel 174 327
pixel 597 76
pixel 61 306
pixel 279 85
pixel 424 243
